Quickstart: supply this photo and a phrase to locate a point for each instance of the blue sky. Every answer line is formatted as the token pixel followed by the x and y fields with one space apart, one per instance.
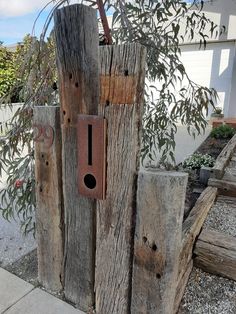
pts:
pixel 17 18
pixel 13 29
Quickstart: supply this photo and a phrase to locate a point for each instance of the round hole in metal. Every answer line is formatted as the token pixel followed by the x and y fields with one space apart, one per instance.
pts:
pixel 90 181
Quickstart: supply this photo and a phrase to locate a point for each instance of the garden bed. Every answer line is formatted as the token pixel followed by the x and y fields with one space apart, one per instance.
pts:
pixel 215 248
pixel 212 147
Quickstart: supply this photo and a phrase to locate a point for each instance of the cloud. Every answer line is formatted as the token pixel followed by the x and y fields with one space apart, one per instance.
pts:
pixel 10 8
pixel 17 18
pixel 13 29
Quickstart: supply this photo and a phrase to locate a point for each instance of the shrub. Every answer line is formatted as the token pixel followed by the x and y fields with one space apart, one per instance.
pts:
pixel 169 86
pixel 218 110
pixel 223 131
pixel 7 71
pixel 196 161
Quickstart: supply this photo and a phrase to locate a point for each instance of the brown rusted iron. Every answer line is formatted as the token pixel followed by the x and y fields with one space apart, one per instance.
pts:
pixel 91 140
pixel 105 25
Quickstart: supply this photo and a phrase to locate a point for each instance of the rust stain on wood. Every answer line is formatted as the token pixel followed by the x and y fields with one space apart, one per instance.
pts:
pixel 72 88
pixel 49 213
pixel 44 175
pixel 122 68
pixel 78 74
pixel 152 261
pixel 118 89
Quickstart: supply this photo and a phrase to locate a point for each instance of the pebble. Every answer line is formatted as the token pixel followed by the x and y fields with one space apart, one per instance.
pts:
pixel 207 293
pixel 222 216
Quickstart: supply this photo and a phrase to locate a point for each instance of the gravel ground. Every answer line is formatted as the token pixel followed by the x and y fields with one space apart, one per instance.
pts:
pixel 208 294
pixel 222 216
pixel 26 268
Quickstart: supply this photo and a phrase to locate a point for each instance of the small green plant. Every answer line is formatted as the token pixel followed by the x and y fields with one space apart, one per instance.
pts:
pixel 196 161
pixel 218 110
pixel 223 131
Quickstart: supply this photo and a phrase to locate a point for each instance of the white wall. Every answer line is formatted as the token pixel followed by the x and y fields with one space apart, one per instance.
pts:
pixel 232 106
pixel 213 67
pixel 7 112
pixel 221 12
pixel 216 66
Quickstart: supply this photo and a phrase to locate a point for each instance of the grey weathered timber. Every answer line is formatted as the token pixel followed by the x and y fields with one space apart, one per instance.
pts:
pixel 158 237
pixel 192 227
pixel 115 220
pixel 181 286
pixel 216 253
pixel 49 207
pixel 227 188
pixel 230 172
pixel 76 33
pixel 205 173
pixel 198 214
pixel 233 159
pixel 223 159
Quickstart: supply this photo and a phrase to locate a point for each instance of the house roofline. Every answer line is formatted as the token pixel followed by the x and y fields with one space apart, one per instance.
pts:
pixel 217 41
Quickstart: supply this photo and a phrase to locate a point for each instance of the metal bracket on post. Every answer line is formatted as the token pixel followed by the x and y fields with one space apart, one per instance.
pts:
pixel 91 139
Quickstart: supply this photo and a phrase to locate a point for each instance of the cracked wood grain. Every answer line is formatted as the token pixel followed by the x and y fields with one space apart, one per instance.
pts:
pixel 49 205
pixel 115 215
pixel 216 253
pixel 76 34
pixel 158 237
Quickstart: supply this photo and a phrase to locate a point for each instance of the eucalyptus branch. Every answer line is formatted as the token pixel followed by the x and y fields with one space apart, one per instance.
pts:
pixel 170 96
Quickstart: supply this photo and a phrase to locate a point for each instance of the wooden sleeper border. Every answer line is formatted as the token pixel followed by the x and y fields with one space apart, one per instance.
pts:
pixel 223 160
pixel 191 229
pixel 216 253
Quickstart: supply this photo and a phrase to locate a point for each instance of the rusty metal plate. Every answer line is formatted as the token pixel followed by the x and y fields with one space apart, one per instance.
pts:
pixel 91 140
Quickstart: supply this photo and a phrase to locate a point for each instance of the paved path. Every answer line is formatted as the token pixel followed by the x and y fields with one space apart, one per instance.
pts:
pixel 20 297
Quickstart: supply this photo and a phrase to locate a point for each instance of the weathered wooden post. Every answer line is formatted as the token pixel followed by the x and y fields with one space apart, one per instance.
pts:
pixel 49 207
pixel 158 237
pixel 128 274
pixel 191 229
pixel 76 33
pixel 122 70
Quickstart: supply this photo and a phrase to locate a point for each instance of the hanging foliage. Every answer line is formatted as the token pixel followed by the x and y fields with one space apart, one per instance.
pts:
pixel 170 97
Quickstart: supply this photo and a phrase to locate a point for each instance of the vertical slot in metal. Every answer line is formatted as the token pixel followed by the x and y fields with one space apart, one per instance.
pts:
pixel 90 144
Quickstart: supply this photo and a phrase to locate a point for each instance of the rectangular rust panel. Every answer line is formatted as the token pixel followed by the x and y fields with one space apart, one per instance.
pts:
pixel 91 139
pixel 118 89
